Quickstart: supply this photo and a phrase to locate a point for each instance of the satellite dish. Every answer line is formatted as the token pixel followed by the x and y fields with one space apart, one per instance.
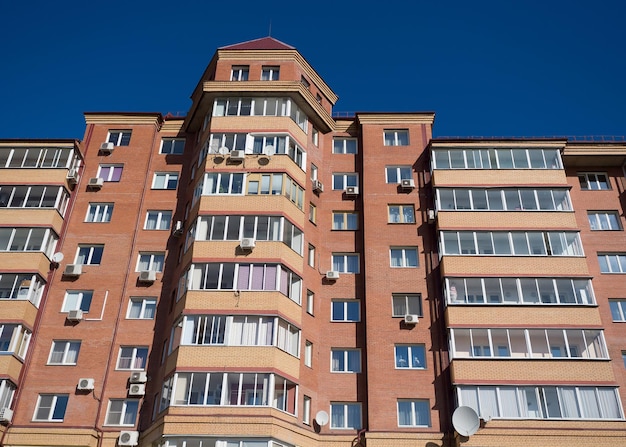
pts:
pixel 57 257
pixel 223 150
pixel 269 150
pixel 465 421
pixel 321 417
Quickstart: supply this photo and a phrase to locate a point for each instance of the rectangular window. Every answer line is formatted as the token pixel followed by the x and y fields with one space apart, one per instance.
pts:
pixel 150 261
pixel 132 357
pixel 312 213
pixel 345 360
pixel 413 413
pixel 345 220
pixel 618 309
pixel 34 196
pixel 99 212
pixel 172 146
pixel 119 137
pixel 141 308
pixel 396 137
pixel 122 412
pixel 594 181
pixel 344 145
pixel 506 199
pixel 612 262
pixel 21 286
pixel 158 220
pixel 604 220
pixel 345 415
pixel 270 73
pixel 77 300
pixel 406 304
pixel 110 173
pixel 401 214
pixel 395 174
pixel 311 256
pixel 410 356
pixel 342 181
pixel 165 180
pixel 51 407
pixel 314 172
pixel 64 352
pixel 89 254
pixel 222 183
pixel 403 256
pixel 315 137
pixel 310 302
pixel 503 158
pixel 306 410
pixel 308 353
pixel 345 311
pixel 239 73
pixel 345 262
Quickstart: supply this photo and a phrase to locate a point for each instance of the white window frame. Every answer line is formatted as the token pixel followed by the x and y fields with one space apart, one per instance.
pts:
pixel 345 179
pixel 345 220
pixel 310 302
pixel 145 302
pixel 343 145
pixel 395 136
pixel 100 212
pixel 67 347
pixel 153 259
pixel 134 357
pixel 343 354
pixel 618 309
pixel 404 259
pixel 346 424
pixel 344 304
pixel 167 177
pixel 407 298
pixel 306 410
pixel 308 353
pixel 119 137
pixel 619 262
pixel 162 219
pixel 270 72
pixel 410 361
pixel 401 208
pixel 123 412
pixel 174 146
pixel 111 171
pixel 345 257
pixel 414 412
pixel 92 249
pixel 240 73
pixel 55 400
pixel 404 172
pixel 78 296
pixel 598 219
pixel 590 181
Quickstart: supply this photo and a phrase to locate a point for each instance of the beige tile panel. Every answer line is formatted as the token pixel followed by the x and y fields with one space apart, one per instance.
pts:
pixel 25 262
pixel 253 204
pixel 31 217
pixel 477 220
pixel 18 310
pixel 52 437
pixel 255 302
pixel 225 358
pixel 513 266
pixel 514 316
pixel 530 371
pixel 10 366
pixel 264 250
pixel 34 176
pixel 495 177
pixel 403 439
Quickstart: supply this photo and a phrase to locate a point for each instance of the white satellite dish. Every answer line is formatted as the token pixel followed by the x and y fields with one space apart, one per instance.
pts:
pixel 321 417
pixel 269 150
pixel 465 421
pixel 57 257
pixel 223 150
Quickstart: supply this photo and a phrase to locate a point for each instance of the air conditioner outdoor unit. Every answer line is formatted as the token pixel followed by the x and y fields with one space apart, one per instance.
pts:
pixel 72 176
pixel 430 215
pixel 73 270
pixel 137 389
pixel 85 384
pixel 75 315
pixel 139 377
pixel 107 148
pixel 95 182
pixel 411 319
pixel 128 438
pixel 147 276
pixel 408 183
pixel 237 155
pixel 352 191
pixel 247 243
pixel 318 186
pixel 332 274
pixel 178 228
pixel 6 414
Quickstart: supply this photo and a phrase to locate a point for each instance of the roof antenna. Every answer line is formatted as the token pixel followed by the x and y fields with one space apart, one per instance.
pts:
pixel 270 31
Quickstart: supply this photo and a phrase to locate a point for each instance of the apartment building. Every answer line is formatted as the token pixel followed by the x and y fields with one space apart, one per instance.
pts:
pixel 261 273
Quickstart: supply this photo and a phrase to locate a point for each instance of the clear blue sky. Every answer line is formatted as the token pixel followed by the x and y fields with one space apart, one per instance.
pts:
pixel 487 68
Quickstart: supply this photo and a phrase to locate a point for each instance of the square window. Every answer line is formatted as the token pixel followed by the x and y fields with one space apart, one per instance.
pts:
pixel 403 257
pixel 604 220
pixel 158 220
pixel 51 407
pixel 345 262
pixel 345 145
pixel 406 304
pixel 141 308
pixel 345 220
pixel 398 137
pixel 119 137
pixel 401 214
pixel 165 180
pixel 342 181
pixel 345 415
pixel 345 311
pixel 413 413
pixel 99 212
pixel 132 357
pixel 270 73
pixel 594 181
pixel 395 174
pixel 64 352
pixel 110 173
pixel 345 360
pixel 239 73
pixel 89 254
pixel 77 300
pixel 122 412
pixel 410 356
pixel 173 146
pixel 150 261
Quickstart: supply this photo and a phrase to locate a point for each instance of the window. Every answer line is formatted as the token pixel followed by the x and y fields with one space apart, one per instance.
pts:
pixel 345 220
pixel 150 261
pixel 342 181
pixel 406 304
pixel 345 262
pixel 14 338
pixel 110 173
pixel 34 196
pixel 220 183
pixel 344 145
pixel 604 220
pixel 413 413
pixel 506 199
pixel 624 358
pixel 77 300
pixel 51 407
pixel 345 360
pixel 142 308
pixel 315 136
pixel 119 137
pixel 158 220
pixel 314 172
pixel 21 286
pixel 401 214
pixel 345 415
pixel 239 73
pixel 504 158
pixel 311 255
pixel 403 256
pixel 172 146
pixel 64 352
pixel 345 311
pixel 612 262
pixel 594 181
pixel 99 212
pixel 37 157
pixel 122 412
pixel 396 137
pixel 305 82
pixel 165 180
pixel 270 73
pixel 410 356
pixel 308 353
pixel 7 390
pixel 395 174
pixel 310 302
pixel 89 254
pixel 132 357
pixel 618 310
pixel 312 213
pixel 28 239
pixel 306 410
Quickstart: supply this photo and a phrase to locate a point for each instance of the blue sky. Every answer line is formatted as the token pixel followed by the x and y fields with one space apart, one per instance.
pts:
pixel 486 68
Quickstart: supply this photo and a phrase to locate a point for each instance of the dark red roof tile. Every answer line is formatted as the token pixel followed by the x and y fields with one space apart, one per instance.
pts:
pixel 264 43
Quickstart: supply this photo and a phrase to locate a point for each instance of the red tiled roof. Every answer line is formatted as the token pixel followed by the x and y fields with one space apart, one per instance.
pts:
pixel 264 43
